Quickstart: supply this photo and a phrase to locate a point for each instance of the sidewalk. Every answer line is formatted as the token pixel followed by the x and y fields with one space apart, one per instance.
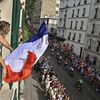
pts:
pixel 33 90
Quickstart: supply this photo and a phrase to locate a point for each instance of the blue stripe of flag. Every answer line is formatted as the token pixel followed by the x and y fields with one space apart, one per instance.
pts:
pixel 42 31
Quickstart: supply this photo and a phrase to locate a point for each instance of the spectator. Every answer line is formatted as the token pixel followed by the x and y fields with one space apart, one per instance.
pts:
pixel 4 29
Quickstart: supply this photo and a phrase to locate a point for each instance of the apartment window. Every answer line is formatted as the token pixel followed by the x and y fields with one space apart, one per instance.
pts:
pixel 85 1
pixel 84 10
pixel 77 12
pixel 93 26
pixel 69 35
pixel 90 41
pixel 52 30
pixel 98 46
pixel 99 32
pixel 57 5
pixel 64 22
pixel 79 2
pixel 59 31
pixel 66 12
pixel 74 4
pixel 47 21
pixel 80 35
pixel 82 22
pixel 76 25
pixel 71 24
pixel 56 12
pixel 96 12
pixel 63 33
pixel 97 1
pixel 74 36
pixel 73 13
pixel 60 19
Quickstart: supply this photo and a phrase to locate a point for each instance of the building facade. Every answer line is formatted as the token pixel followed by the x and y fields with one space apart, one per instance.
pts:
pixel 46 10
pixel 6 15
pixel 92 43
pixel 72 24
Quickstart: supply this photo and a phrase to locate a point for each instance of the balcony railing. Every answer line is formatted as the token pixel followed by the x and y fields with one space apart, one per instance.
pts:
pixel 14 95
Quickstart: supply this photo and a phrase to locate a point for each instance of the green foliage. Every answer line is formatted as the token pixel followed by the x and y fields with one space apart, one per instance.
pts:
pixel 26 34
pixel 30 7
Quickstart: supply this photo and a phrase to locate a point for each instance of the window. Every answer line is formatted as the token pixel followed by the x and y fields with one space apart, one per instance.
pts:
pixel 71 24
pixel 57 5
pixel 76 24
pixel 90 41
pixel 63 33
pixel 65 12
pixel 56 12
pixel 73 13
pixel 47 21
pixel 84 10
pixel 69 35
pixel 98 46
pixel 82 22
pixel 74 36
pixel 60 19
pixel 85 1
pixel 93 26
pixel 64 22
pixel 79 37
pixel 77 13
pixel 96 12
pixel 97 1
pixel 52 30
pixel 79 2
pixel 99 32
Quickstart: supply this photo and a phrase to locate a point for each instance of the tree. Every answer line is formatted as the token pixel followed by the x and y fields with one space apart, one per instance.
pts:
pixel 30 8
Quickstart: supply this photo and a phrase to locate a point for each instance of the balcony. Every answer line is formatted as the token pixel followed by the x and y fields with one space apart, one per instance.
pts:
pixel 94 19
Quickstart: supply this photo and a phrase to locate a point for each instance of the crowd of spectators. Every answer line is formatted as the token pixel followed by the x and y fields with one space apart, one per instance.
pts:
pixel 87 68
pixel 54 90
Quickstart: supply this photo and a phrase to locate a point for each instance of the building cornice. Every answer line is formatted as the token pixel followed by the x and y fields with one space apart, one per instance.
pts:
pixel 75 42
pixel 74 6
pixel 94 19
pixel 76 17
pixel 76 30
pixel 62 27
pixel 92 35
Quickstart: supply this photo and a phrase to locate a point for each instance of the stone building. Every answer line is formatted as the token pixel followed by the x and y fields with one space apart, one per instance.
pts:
pixel 72 24
pixel 45 10
pixel 92 41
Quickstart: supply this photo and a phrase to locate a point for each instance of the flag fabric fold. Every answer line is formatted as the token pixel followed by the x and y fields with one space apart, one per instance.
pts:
pixel 20 62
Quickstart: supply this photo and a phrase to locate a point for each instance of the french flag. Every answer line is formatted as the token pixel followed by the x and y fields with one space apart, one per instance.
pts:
pixel 20 62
